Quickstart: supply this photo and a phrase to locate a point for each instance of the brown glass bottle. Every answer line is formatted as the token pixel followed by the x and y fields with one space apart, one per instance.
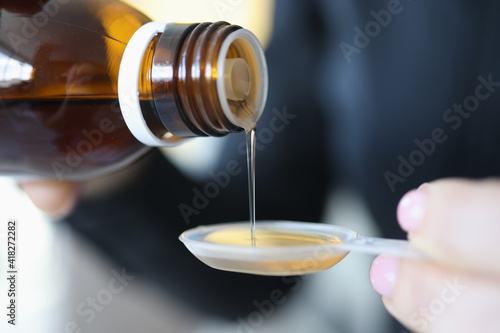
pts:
pixel 60 111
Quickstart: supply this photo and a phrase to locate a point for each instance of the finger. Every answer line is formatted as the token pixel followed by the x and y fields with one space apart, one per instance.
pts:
pixel 456 222
pixel 426 297
pixel 54 197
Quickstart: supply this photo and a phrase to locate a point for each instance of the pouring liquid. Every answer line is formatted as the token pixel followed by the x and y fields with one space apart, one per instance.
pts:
pixel 275 250
pixel 250 138
pixel 250 126
pixel 268 238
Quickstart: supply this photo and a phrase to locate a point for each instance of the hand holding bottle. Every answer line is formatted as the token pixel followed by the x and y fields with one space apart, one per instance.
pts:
pixel 456 223
pixel 56 198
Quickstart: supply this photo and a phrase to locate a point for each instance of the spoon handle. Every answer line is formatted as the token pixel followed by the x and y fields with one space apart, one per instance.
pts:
pixel 373 245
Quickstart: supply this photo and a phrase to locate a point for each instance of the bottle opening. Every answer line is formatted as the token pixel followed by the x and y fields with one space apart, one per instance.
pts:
pixel 237 79
pixel 242 87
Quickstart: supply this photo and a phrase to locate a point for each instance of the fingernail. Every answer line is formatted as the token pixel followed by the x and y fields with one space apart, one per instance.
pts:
pixel 423 186
pixel 411 209
pixel 383 274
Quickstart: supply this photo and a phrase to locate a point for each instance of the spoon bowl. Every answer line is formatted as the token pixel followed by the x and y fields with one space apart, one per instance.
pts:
pixel 280 248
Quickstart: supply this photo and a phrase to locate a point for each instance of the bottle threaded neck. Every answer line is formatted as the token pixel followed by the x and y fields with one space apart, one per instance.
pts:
pixel 207 79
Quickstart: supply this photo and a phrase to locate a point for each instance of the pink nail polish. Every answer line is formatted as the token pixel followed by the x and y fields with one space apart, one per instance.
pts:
pixel 411 210
pixel 383 274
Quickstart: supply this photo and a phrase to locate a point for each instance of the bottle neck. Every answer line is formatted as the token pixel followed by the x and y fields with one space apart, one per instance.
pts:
pixel 207 79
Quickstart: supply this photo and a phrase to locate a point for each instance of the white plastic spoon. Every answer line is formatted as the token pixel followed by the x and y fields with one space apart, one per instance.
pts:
pixel 284 247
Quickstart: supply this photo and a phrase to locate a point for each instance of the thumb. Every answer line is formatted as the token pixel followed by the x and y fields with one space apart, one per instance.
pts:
pixel 56 198
pixel 455 221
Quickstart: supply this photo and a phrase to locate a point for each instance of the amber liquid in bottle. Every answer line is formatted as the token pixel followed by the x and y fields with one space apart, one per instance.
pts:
pixel 59 112
pixel 61 69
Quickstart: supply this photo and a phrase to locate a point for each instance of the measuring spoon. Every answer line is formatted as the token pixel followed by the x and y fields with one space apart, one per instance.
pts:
pixel 284 247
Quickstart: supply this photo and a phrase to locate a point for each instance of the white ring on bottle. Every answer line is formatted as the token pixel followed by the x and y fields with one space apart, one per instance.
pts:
pixel 128 83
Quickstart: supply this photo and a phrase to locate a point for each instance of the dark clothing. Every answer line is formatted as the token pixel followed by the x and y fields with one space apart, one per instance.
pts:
pixel 356 123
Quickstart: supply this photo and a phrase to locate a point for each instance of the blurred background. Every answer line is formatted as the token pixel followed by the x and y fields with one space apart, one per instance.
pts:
pixel 59 270
pixel 60 273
